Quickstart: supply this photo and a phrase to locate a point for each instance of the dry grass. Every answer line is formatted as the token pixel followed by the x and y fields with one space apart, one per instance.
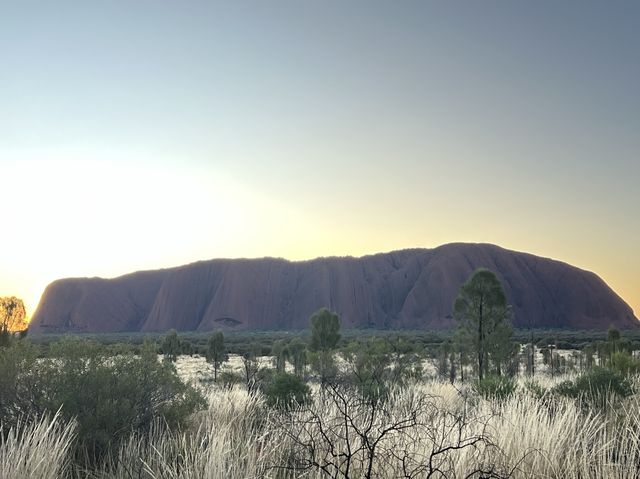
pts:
pixel 239 437
pixel 36 450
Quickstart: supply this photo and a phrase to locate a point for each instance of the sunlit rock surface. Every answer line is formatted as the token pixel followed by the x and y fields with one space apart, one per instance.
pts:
pixel 412 288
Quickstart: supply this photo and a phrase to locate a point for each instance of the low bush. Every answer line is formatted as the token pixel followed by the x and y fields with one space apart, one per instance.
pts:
pixel 495 388
pixel 623 363
pixel 109 397
pixel 596 387
pixel 535 389
pixel 284 391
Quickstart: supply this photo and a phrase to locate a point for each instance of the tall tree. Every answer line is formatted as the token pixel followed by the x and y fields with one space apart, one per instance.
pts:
pixel 325 330
pixel 461 341
pixel 171 346
pixel 280 353
pixel 481 309
pixel 251 366
pixel 500 346
pixel 613 337
pixel 216 352
pixel 325 334
pixel 298 356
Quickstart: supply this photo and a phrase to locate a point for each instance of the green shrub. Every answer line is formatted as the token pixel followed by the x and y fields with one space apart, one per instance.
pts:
pixel 625 364
pixel 535 389
pixel 20 393
pixel 372 389
pixel 594 388
pixel 109 397
pixel 229 379
pixel 285 391
pixel 496 388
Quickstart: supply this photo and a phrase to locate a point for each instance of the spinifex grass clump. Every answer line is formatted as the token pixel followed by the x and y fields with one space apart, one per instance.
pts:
pixel 38 449
pixel 231 439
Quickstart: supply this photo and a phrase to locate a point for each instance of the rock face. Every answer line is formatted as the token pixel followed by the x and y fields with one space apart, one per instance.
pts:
pixel 403 289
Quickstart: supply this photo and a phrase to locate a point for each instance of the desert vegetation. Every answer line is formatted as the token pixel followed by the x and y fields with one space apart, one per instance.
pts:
pixel 479 403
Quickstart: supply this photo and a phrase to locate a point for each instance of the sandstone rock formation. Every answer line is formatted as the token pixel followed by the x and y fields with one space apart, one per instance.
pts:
pixel 403 289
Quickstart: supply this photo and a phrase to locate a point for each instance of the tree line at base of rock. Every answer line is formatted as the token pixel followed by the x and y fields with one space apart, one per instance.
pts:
pixel 482 347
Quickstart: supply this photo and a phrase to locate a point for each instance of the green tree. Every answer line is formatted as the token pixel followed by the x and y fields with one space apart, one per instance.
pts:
pixel 481 309
pixel 325 330
pixel 588 352
pixel 369 362
pixel 443 367
pixel 613 335
pixel 171 346
pixel 461 341
pixel 298 356
pixel 216 352
pixel 406 363
pixel 280 353
pixel 325 334
pixel 613 338
pixel 500 345
pixel 251 367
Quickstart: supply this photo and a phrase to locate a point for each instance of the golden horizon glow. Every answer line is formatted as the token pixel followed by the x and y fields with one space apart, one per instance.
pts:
pixel 117 219
pixel 240 129
pixel 105 219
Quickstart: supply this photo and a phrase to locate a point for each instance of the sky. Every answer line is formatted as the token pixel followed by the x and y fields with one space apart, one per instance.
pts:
pixel 149 134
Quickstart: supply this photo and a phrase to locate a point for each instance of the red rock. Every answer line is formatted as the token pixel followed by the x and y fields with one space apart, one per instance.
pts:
pixel 403 289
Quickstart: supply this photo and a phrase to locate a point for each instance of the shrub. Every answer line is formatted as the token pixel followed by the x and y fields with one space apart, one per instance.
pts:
pixel 596 387
pixel 285 391
pixel 109 397
pixel 229 379
pixel 373 390
pixel 19 384
pixel 495 388
pixel 535 389
pixel 625 364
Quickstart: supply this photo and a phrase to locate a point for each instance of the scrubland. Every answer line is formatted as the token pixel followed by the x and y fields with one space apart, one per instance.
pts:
pixel 427 428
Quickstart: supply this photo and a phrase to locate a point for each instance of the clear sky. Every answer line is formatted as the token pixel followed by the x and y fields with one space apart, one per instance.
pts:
pixel 146 134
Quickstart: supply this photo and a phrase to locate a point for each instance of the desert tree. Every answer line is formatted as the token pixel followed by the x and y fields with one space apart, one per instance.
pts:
pixel 442 359
pixel 613 338
pixel 461 341
pixel 298 356
pixel 500 346
pixel 325 334
pixel 251 367
pixel 12 317
pixel 171 346
pixel 369 366
pixel 280 353
pixel 481 309
pixel 325 330
pixel 216 352
pixel 406 361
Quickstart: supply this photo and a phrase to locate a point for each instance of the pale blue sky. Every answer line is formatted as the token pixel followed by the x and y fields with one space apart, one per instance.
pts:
pixel 386 124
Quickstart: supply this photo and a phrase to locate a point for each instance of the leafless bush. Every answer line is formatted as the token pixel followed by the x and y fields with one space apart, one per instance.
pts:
pixel 344 434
